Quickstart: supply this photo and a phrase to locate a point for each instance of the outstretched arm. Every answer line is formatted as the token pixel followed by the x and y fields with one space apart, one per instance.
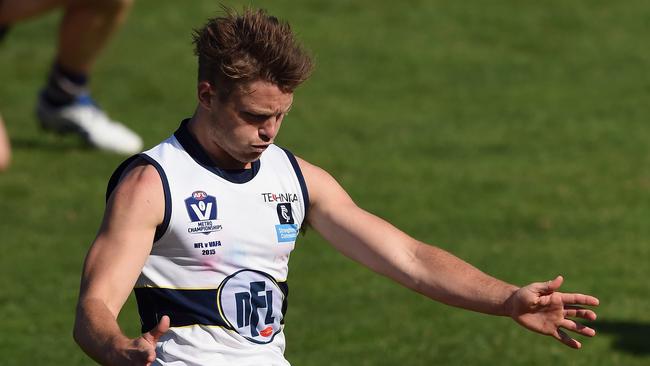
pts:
pixel 112 266
pixel 432 271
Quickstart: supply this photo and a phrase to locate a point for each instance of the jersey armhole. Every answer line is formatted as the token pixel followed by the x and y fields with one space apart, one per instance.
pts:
pixel 301 179
pixel 117 176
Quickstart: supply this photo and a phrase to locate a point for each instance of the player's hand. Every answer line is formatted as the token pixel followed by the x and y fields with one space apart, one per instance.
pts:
pixel 142 350
pixel 541 309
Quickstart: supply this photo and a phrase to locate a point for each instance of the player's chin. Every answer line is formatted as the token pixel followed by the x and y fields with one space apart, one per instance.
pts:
pixel 249 156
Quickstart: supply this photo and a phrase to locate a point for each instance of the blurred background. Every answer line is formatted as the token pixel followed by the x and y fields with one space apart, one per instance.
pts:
pixel 513 134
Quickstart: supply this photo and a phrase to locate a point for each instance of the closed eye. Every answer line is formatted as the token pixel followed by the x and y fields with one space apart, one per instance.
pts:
pixel 258 118
pixel 254 117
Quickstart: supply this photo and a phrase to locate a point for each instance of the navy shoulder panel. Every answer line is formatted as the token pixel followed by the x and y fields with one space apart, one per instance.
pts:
pixel 117 176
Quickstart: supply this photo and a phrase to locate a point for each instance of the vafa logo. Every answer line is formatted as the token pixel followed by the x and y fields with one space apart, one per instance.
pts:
pixel 202 210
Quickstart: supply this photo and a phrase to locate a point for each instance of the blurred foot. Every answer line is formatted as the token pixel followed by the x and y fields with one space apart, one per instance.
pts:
pixel 86 119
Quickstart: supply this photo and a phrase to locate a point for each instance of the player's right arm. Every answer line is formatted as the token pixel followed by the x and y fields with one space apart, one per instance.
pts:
pixel 112 266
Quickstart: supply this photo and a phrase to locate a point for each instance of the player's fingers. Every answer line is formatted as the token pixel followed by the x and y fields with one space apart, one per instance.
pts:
pixel 548 287
pixel 160 329
pixel 145 352
pixel 578 312
pixel 577 327
pixel 151 357
pixel 564 338
pixel 579 299
pixel 552 285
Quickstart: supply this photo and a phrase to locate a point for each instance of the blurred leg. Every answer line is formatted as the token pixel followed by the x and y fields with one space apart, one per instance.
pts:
pixel 5 148
pixel 86 28
pixel 64 105
pixel 12 11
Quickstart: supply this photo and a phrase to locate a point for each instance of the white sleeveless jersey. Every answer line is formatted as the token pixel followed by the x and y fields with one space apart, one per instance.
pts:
pixel 219 262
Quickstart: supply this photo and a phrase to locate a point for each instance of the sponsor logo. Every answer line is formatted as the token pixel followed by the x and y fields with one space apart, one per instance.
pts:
pixel 251 303
pixel 286 232
pixel 202 210
pixel 280 197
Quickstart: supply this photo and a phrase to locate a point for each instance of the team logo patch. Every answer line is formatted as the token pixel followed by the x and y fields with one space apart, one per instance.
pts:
pixel 284 213
pixel 287 231
pixel 202 210
pixel 251 303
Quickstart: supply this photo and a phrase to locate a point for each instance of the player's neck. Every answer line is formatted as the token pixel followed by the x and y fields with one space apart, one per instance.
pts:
pixel 218 155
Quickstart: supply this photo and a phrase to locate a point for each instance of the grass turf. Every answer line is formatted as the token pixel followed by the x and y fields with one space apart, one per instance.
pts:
pixel 512 134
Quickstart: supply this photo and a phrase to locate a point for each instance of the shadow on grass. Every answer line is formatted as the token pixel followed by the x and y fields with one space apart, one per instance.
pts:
pixel 48 143
pixel 629 337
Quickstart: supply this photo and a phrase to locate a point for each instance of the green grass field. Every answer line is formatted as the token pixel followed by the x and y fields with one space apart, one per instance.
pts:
pixel 514 134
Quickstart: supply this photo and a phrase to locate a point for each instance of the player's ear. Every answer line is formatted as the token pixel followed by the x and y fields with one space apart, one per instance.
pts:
pixel 205 92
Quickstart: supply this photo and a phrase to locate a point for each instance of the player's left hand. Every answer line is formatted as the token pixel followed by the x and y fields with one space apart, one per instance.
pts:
pixel 541 309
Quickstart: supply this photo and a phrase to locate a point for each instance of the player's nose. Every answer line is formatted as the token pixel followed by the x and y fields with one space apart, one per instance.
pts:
pixel 269 129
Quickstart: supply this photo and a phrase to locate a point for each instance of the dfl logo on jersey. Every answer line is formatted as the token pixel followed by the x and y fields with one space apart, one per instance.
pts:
pixel 202 209
pixel 251 303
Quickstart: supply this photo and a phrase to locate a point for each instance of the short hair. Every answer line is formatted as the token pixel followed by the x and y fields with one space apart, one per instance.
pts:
pixel 237 48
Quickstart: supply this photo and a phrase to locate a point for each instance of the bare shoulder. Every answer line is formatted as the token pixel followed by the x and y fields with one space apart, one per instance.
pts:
pixel 139 175
pixel 139 193
pixel 138 178
pixel 315 177
pixel 323 187
pixel 304 164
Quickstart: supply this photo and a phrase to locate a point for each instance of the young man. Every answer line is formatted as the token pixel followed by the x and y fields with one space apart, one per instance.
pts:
pixel 64 104
pixel 203 224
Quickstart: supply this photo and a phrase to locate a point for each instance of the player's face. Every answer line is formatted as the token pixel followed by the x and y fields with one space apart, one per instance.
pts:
pixel 245 124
